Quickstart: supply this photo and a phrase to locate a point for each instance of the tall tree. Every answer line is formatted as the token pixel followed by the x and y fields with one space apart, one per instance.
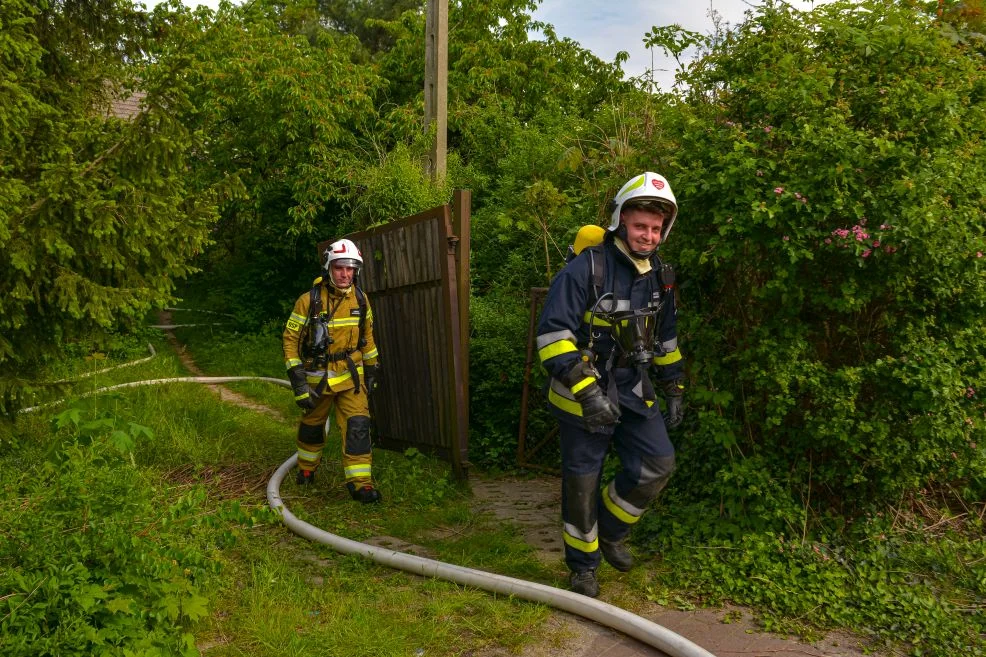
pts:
pixel 96 222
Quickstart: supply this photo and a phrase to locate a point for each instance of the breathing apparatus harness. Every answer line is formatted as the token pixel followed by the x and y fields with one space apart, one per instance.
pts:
pixel 315 345
pixel 634 332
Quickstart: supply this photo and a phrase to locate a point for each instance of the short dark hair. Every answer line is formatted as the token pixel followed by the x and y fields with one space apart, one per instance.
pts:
pixel 653 205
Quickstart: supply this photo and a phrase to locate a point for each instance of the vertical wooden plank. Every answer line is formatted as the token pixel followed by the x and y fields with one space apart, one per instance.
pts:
pixel 461 225
pixel 450 320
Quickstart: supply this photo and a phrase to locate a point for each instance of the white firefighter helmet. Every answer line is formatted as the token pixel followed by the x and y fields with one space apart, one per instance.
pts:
pixel 343 252
pixel 647 189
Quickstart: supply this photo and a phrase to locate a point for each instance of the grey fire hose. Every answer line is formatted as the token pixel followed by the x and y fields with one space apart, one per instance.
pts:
pixel 603 613
pixel 639 628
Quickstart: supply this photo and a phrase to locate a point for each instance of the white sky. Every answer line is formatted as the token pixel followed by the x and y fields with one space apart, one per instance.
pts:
pixel 608 26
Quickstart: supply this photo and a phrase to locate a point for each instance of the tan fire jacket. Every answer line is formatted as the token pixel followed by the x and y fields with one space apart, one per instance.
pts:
pixel 341 312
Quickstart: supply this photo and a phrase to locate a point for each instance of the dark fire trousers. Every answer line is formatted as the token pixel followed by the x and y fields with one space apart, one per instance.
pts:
pixel 646 458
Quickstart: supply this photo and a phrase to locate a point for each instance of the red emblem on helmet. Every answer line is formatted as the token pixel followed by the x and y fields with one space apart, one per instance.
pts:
pixel 657 183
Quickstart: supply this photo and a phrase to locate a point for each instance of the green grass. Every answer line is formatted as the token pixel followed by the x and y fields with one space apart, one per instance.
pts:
pixel 266 591
pixel 186 474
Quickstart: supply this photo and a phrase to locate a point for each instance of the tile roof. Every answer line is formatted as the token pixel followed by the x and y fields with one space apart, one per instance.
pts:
pixel 126 108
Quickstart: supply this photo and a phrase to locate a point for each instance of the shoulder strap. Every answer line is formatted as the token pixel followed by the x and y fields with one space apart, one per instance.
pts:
pixel 315 301
pixel 361 302
pixel 597 272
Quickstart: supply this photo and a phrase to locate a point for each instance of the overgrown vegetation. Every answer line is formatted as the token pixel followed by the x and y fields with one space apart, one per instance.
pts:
pixel 135 523
pixel 829 166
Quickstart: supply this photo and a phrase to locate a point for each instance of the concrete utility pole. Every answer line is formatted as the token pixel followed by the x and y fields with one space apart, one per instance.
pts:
pixel 436 84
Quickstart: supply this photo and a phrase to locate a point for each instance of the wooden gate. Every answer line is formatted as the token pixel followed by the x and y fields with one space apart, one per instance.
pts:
pixel 416 276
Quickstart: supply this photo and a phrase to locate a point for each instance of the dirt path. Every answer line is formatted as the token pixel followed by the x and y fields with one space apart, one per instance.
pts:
pixel 224 393
pixel 534 504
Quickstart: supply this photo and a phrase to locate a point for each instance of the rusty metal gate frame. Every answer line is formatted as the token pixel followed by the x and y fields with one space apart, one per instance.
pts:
pixel 526 454
pixel 416 277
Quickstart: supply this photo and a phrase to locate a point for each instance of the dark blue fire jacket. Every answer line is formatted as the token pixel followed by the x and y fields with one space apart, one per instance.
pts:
pixel 563 329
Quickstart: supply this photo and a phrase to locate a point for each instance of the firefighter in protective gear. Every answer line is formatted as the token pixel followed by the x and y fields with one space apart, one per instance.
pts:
pixel 608 324
pixel 332 361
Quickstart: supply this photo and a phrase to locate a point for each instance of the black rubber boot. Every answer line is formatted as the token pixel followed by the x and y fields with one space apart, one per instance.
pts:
pixel 585 583
pixel 305 477
pixel 366 493
pixel 616 554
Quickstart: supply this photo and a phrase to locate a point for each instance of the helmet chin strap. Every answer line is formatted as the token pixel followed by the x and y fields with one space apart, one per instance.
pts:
pixel 327 276
pixel 621 232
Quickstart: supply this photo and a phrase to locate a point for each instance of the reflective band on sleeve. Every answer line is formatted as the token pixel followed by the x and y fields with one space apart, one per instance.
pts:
pixel 584 383
pixel 292 362
pixel 354 471
pixel 567 405
pixel 557 349
pixel 668 359
pixel 301 319
pixel 303 395
pixel 545 339
pixel 372 353
pixel 619 507
pixel 669 345
pixel 581 542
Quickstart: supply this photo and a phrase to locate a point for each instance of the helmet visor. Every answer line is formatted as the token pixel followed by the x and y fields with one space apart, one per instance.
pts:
pixel 345 262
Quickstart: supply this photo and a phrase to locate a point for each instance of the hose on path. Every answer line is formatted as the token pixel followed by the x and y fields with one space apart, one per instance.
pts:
pixel 606 614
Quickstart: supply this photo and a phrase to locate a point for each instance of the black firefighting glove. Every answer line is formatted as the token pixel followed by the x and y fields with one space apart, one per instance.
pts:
pixel 598 410
pixel 304 396
pixel 674 393
pixel 370 374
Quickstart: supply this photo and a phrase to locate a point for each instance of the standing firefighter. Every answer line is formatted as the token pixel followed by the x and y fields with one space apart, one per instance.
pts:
pixel 608 321
pixel 332 360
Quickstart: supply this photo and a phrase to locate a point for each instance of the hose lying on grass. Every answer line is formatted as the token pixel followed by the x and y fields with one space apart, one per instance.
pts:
pixel 603 613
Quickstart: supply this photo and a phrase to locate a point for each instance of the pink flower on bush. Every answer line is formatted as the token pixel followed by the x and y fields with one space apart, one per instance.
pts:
pixel 876 243
pixel 979 254
pixel 890 249
pixel 867 252
pixel 828 240
pixel 767 129
pixel 778 190
pixel 759 173
pixel 841 232
pixel 970 392
pixel 786 238
pixel 885 226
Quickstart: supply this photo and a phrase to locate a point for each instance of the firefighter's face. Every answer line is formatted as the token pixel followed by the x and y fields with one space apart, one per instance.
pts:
pixel 342 275
pixel 643 229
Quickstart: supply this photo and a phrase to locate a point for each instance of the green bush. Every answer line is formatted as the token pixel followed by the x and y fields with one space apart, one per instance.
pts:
pixel 94 560
pixel 831 253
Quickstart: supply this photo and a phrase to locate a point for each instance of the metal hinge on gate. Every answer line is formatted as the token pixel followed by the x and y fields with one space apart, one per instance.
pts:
pixel 453 242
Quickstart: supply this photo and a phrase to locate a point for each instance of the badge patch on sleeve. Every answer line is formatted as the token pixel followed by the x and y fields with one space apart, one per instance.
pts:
pixel 293 325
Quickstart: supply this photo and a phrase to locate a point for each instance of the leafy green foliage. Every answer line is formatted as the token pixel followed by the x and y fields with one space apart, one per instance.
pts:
pixel 832 252
pixel 916 591
pixel 94 560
